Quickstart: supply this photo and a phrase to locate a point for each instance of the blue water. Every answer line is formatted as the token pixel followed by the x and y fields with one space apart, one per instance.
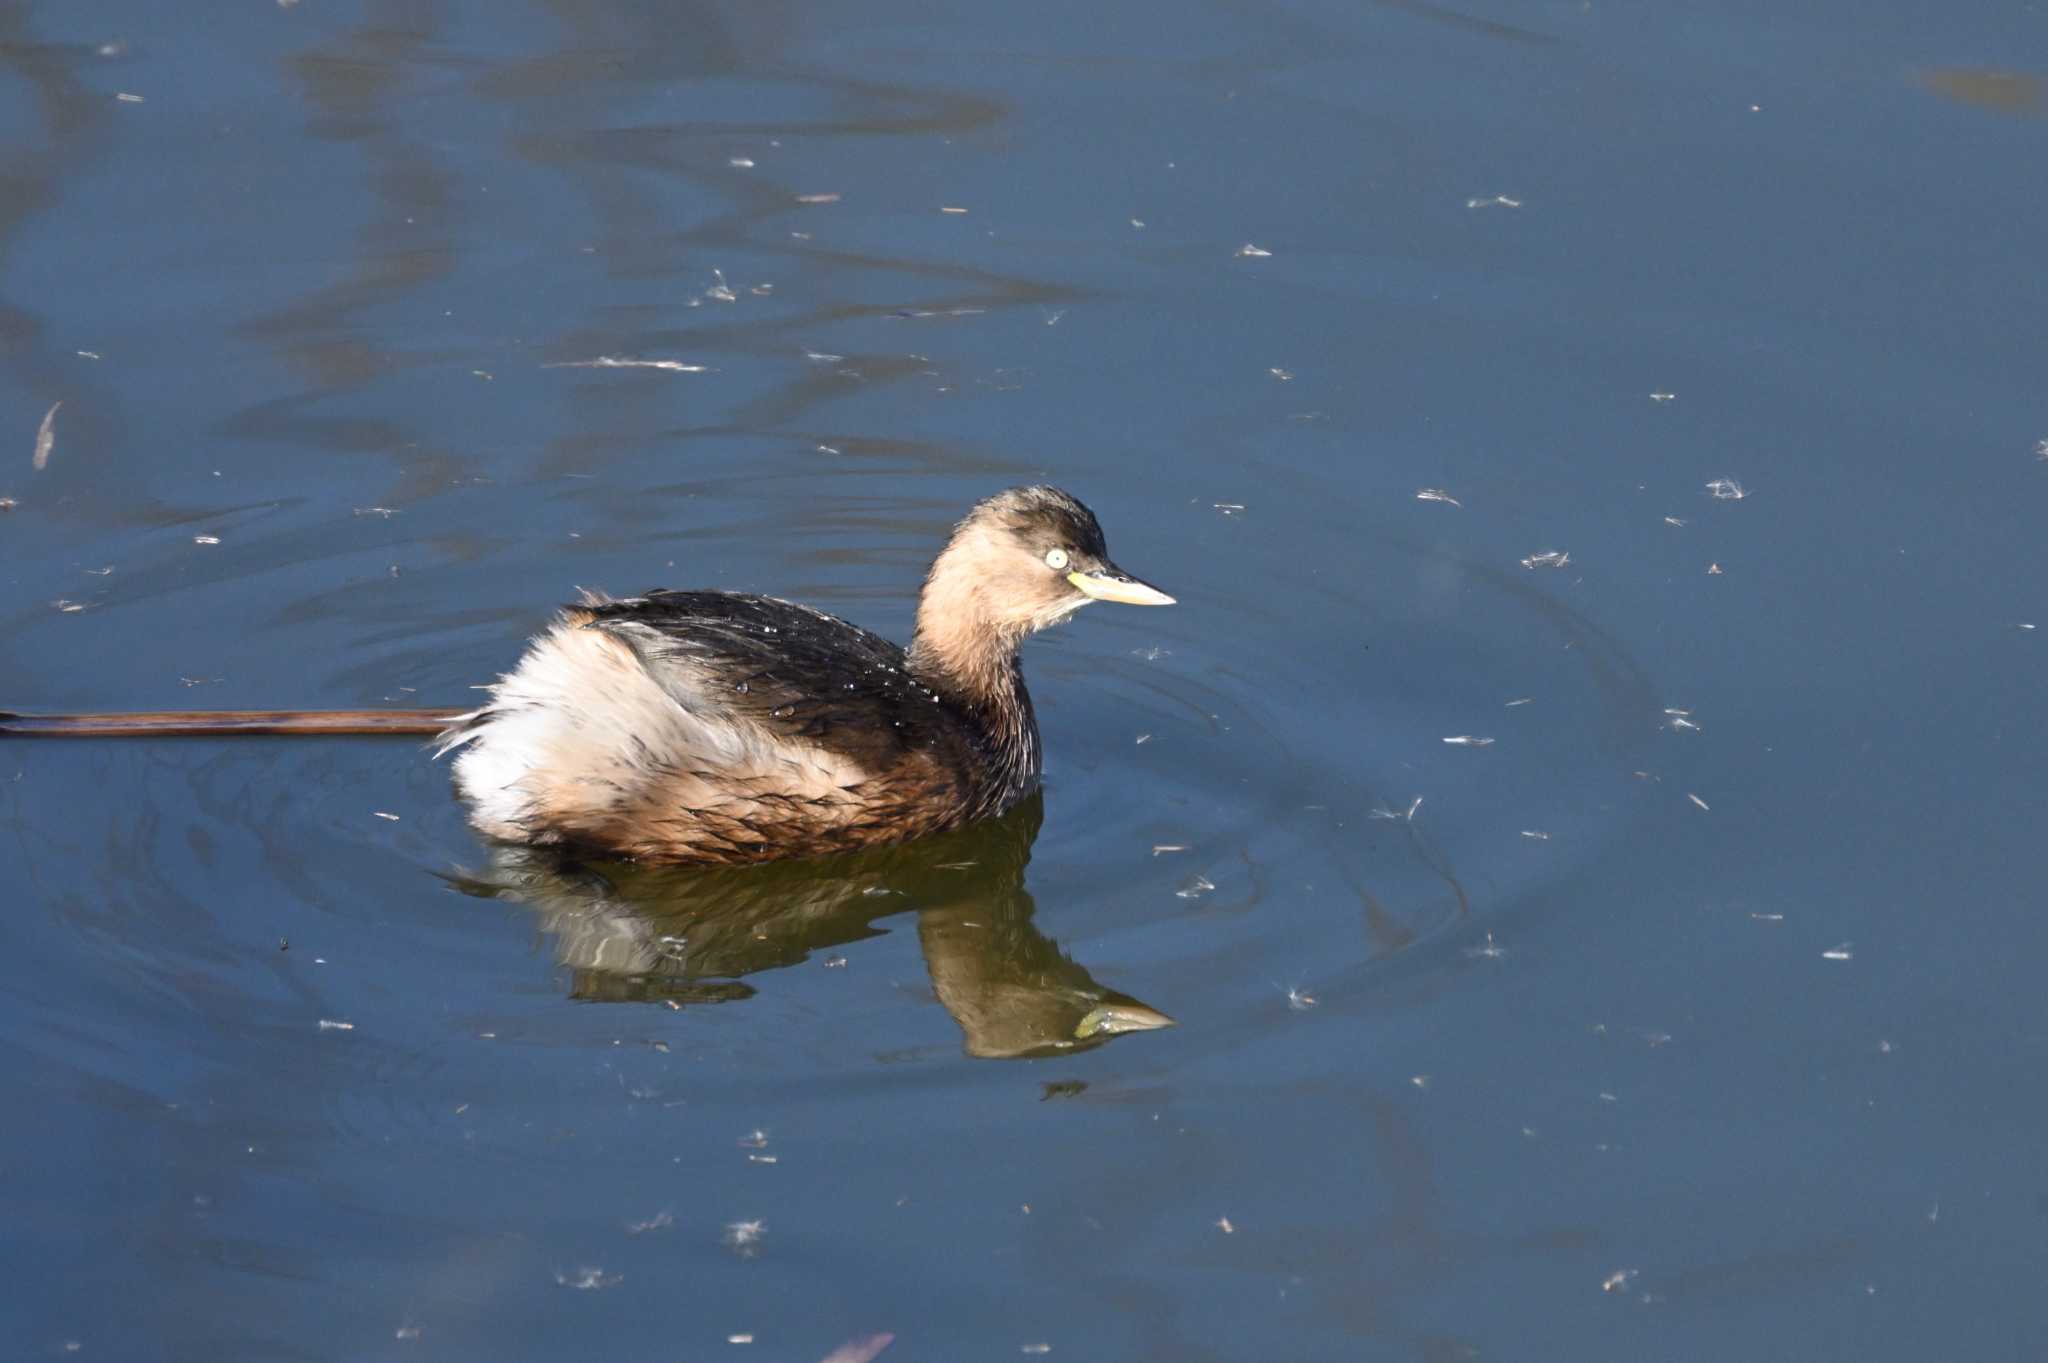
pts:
pixel 1694 1016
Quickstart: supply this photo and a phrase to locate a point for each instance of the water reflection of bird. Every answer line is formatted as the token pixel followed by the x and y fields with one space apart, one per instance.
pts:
pixel 717 728
pixel 631 932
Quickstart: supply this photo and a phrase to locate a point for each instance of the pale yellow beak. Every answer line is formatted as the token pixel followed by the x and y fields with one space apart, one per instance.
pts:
pixel 1113 585
pixel 1113 1019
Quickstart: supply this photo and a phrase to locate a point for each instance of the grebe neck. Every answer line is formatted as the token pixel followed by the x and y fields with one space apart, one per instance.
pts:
pixel 976 669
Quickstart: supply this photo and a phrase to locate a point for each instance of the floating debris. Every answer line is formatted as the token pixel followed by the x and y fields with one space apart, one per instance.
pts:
pixel 1468 741
pixel 1726 490
pixel 1436 494
pixel 589 1278
pixel 744 1237
pixel 1253 252
pixel 1846 951
pixel 915 313
pixel 661 1220
pixel 621 362
pixel 46 438
pixel 1549 558
pixel 860 1349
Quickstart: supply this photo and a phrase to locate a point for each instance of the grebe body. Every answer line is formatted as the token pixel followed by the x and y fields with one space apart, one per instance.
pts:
pixel 722 728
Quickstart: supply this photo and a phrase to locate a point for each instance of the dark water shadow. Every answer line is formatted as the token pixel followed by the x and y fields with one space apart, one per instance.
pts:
pixel 688 936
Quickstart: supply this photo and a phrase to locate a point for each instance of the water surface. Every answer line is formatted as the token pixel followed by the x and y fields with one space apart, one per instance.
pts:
pixel 1686 1009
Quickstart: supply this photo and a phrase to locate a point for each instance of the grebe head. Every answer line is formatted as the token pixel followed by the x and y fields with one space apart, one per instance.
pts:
pixel 1018 562
pixel 1025 559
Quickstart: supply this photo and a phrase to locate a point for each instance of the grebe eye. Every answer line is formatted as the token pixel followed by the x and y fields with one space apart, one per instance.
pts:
pixel 1056 558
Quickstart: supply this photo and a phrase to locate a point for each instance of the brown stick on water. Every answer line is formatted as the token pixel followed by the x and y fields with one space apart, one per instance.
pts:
pixel 227 723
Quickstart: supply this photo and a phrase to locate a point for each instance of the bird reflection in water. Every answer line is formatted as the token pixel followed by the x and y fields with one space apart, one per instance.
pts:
pixel 633 933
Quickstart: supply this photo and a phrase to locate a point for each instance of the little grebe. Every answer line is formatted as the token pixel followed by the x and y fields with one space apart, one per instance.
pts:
pixel 717 727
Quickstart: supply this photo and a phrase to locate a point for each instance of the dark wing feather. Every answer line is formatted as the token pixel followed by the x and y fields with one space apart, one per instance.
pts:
pixel 796 672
